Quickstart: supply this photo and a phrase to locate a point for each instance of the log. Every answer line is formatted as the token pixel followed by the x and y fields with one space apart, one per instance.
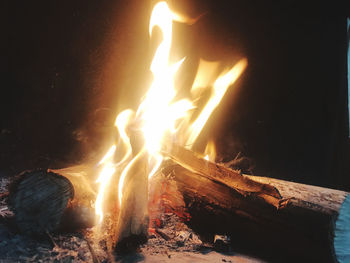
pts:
pixel 45 201
pixel 284 221
pixel 38 199
pixel 132 225
pixel 219 173
pixel 80 212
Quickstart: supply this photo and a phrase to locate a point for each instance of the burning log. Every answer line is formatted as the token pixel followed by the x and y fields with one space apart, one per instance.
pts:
pixel 44 201
pixel 133 220
pixel 299 222
pixel 221 174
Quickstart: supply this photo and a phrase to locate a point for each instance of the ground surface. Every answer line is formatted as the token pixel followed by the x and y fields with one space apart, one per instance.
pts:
pixel 173 241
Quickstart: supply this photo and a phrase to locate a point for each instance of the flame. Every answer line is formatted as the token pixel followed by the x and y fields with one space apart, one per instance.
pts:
pixel 210 151
pixel 107 162
pixel 104 178
pixel 220 87
pixel 160 118
pixel 206 75
pixel 158 111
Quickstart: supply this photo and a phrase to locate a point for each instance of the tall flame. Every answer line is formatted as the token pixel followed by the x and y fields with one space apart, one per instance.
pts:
pixel 160 117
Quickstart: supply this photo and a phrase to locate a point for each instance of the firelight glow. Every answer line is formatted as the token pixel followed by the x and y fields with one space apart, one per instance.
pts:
pixel 160 117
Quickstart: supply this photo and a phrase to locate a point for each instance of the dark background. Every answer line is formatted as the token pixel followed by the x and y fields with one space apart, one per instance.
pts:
pixel 70 66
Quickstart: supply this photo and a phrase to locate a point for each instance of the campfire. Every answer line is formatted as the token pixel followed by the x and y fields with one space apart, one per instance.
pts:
pixel 161 119
pixel 152 178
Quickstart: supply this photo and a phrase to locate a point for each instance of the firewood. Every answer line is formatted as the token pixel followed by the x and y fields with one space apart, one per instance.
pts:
pixel 220 173
pixel 80 212
pixel 44 201
pixel 296 222
pixel 132 224
pixel 38 199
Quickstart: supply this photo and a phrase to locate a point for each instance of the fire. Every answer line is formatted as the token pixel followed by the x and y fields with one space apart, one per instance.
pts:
pixel 160 118
pixel 219 89
pixel 210 151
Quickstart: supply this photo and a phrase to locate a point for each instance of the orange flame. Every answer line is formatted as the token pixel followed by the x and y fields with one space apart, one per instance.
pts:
pixel 160 117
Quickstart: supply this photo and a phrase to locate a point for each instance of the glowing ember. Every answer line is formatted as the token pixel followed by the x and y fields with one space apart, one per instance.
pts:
pixel 160 117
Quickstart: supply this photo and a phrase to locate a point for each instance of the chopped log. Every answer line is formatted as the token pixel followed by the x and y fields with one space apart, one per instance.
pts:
pixel 132 225
pixel 310 224
pixel 80 212
pixel 44 201
pixel 220 173
pixel 81 177
pixel 38 200
pixel 329 203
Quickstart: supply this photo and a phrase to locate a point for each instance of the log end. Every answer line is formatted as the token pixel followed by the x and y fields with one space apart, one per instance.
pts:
pixel 342 232
pixel 38 199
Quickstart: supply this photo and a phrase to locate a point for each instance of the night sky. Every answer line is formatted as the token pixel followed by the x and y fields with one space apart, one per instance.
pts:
pixel 70 66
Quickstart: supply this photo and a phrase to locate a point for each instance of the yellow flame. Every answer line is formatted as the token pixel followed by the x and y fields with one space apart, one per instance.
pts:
pixel 159 116
pixel 206 75
pixel 104 178
pixel 108 162
pixel 157 111
pixel 220 87
pixel 107 156
pixel 122 121
pixel 210 151
pixel 124 175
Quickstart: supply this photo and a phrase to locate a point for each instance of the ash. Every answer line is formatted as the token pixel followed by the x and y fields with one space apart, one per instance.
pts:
pixel 173 235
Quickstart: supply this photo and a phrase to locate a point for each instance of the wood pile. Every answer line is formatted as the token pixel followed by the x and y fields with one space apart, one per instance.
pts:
pixel 264 215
